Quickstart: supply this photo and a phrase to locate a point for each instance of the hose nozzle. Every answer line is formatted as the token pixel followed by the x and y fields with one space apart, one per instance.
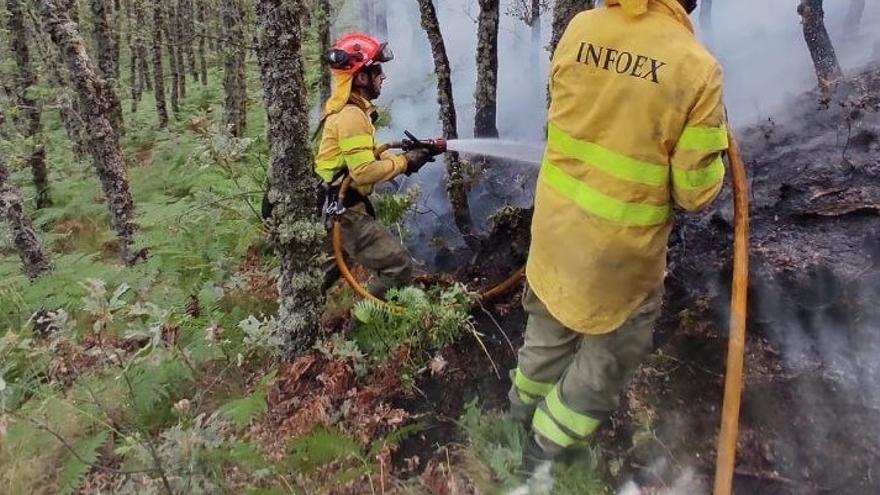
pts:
pixel 435 146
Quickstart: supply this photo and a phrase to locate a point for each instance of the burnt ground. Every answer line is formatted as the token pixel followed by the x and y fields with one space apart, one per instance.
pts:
pixel 810 421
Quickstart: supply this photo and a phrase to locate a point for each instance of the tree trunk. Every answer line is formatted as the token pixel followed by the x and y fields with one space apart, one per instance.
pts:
pixel 188 33
pixel 297 229
pixel 140 33
pixel 457 187
pixel 28 245
pixel 108 57
pixel 158 71
pixel 234 79
pixel 535 52
pixel 70 115
pixel 822 51
pixel 853 21
pixel 173 65
pixel 29 108
pixel 485 96
pixel 324 23
pixel 203 63
pixel 135 81
pixel 95 99
pixel 179 37
pixel 563 12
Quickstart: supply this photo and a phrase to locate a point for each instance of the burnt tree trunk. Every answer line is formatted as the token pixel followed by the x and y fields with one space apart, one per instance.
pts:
pixel 457 187
pixel 28 245
pixel 173 65
pixel 563 12
pixel 202 28
pixel 158 71
pixel 485 96
pixel 70 115
pixel 323 28
pixel 234 78
pixel 95 99
pixel 297 229
pixel 28 107
pixel 108 57
pixel 853 20
pixel 821 50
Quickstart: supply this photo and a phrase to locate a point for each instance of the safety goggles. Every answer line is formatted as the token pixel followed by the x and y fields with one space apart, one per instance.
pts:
pixel 385 54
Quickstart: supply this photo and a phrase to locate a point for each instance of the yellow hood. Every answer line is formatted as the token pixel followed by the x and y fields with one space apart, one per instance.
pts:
pixel 639 7
pixel 341 92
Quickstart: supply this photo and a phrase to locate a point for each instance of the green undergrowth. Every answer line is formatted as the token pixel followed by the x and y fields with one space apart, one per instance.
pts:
pixel 151 372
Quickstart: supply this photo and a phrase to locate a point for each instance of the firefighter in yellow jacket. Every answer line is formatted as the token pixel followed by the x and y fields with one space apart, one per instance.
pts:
pixel 348 148
pixel 636 126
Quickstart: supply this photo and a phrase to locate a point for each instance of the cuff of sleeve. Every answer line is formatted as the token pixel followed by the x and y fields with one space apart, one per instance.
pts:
pixel 399 162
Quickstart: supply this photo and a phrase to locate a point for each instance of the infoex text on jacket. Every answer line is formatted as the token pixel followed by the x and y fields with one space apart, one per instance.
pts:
pixel 620 61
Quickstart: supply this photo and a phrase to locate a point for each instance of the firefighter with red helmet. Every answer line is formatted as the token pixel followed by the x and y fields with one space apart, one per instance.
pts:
pixel 348 149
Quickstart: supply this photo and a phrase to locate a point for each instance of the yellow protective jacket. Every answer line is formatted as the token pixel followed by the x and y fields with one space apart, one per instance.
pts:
pixel 349 142
pixel 636 124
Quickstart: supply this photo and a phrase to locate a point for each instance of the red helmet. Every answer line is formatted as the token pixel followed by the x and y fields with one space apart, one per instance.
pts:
pixel 355 51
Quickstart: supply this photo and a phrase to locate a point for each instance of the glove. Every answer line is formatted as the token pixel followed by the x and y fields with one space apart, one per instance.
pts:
pixel 416 159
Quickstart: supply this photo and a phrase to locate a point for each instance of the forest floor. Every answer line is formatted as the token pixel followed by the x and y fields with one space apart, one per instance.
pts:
pixel 167 376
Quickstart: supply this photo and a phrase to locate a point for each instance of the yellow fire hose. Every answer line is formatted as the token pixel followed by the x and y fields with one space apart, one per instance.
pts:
pixel 733 380
pixel 733 385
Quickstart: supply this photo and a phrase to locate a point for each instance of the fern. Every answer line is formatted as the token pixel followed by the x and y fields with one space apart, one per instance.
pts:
pixel 243 411
pixel 427 320
pixel 319 448
pixel 77 466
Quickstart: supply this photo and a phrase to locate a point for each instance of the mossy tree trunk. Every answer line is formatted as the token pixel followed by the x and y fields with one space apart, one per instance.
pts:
pixel 323 19
pixel 107 47
pixel 821 49
pixel 94 95
pixel 30 249
pixel 235 78
pixel 68 111
pixel 158 71
pixel 297 230
pixel 485 96
pixel 457 186
pixel 28 107
pixel 563 12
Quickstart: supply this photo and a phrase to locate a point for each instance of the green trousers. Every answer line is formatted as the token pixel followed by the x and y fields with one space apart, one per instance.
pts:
pixel 371 245
pixel 567 383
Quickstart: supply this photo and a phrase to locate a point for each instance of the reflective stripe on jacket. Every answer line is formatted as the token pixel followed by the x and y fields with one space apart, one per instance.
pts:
pixel 636 124
pixel 348 142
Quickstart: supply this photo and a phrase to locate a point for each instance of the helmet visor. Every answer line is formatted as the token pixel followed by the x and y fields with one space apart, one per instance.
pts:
pixel 385 54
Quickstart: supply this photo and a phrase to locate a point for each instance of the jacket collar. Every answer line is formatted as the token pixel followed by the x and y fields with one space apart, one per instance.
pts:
pixel 669 8
pixel 362 103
